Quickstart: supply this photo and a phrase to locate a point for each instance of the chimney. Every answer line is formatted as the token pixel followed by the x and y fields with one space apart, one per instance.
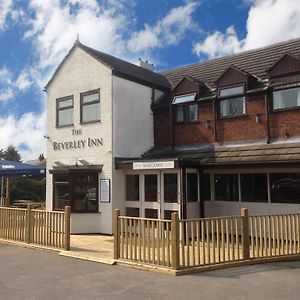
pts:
pixel 41 157
pixel 146 65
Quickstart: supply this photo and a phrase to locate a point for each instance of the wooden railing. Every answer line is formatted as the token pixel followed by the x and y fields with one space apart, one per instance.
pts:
pixel 274 235
pixel 195 243
pixel 145 240
pixel 33 226
pixel 210 241
pixel 3 201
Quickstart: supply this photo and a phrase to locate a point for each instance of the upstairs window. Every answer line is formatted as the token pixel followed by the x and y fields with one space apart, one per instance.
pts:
pixel 187 113
pixel 90 107
pixel 65 111
pixel 288 98
pixel 233 102
pixel 184 98
pixel 185 110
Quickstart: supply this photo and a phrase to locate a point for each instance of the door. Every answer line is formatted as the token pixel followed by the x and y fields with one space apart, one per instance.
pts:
pixel 151 196
pixel 170 193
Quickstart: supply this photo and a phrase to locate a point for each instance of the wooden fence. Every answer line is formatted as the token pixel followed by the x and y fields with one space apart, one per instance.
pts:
pixel 38 227
pixel 3 201
pixel 195 243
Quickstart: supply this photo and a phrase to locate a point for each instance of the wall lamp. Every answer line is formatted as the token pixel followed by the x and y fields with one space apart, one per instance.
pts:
pixel 258 118
pixel 207 124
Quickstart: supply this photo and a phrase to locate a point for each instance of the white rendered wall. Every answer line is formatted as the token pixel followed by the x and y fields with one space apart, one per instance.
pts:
pixel 81 73
pixel 133 120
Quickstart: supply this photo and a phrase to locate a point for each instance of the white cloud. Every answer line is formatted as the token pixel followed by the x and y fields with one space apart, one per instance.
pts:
pixel 9 86
pixel 219 44
pixel 269 21
pixel 5 9
pixel 56 24
pixel 167 31
pixel 25 133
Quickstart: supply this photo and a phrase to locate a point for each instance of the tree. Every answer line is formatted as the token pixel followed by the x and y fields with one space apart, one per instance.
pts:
pixel 10 153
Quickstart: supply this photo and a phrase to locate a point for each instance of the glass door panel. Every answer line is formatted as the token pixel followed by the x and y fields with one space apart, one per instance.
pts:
pixel 151 188
pixel 170 188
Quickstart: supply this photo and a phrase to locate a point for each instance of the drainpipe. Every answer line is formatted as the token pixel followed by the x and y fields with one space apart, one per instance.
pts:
pixel 267 110
pixel 171 127
pixel 215 121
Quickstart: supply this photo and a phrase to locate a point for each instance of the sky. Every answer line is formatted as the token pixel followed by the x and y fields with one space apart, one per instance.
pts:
pixel 35 35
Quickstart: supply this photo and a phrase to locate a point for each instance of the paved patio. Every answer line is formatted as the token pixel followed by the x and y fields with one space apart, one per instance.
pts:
pixel 94 247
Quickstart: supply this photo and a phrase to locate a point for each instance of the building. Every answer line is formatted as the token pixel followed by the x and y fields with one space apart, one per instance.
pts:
pixel 224 134
pixel 93 117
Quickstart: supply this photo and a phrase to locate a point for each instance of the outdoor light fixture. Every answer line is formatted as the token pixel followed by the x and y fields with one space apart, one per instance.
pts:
pixel 257 118
pixel 46 137
pixel 207 124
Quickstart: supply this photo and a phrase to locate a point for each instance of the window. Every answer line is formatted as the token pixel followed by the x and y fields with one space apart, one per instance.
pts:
pixel 235 104
pixel 64 111
pixel 285 188
pixel 80 191
pixel 151 188
pixel 226 187
pixel 61 189
pixel 184 98
pixel 232 91
pixel 232 107
pixel 90 107
pixel 205 193
pixel 132 212
pixel 187 113
pixel 132 188
pixel 192 187
pixel 286 98
pixel 170 188
pixel 85 193
pixel 254 187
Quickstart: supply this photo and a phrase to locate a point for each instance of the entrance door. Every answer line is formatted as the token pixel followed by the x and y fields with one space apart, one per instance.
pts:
pixel 151 196
pixel 170 193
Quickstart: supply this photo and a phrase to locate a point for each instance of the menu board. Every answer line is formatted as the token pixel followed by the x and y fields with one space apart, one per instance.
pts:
pixel 105 190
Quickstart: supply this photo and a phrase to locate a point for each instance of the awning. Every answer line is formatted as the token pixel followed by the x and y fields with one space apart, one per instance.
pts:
pixel 71 169
pixel 19 169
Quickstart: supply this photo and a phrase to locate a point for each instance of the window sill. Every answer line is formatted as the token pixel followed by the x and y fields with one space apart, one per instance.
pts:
pixel 64 126
pixel 233 117
pixel 90 122
pixel 285 109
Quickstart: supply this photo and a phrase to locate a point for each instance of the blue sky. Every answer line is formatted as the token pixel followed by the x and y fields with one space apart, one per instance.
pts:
pixel 35 35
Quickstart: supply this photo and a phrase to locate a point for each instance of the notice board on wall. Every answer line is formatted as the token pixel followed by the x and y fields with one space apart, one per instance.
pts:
pixel 104 190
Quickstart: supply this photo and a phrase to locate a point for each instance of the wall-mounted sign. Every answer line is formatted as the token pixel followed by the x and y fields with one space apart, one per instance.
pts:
pixel 104 190
pixel 153 165
pixel 79 144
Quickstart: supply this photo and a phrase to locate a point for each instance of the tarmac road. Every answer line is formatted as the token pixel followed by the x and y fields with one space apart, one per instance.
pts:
pixel 36 274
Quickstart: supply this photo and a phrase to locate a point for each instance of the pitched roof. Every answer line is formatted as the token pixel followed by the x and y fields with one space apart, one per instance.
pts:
pixel 120 68
pixel 254 62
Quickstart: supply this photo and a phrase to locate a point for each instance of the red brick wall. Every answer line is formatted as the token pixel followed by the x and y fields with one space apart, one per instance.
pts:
pixel 162 129
pixel 285 122
pixel 244 128
pixel 228 130
pixel 196 133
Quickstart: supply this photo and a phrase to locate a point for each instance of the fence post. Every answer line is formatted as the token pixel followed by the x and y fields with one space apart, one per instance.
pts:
pixel 116 234
pixel 175 240
pixel 28 228
pixel 245 233
pixel 67 227
pixel 7 198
